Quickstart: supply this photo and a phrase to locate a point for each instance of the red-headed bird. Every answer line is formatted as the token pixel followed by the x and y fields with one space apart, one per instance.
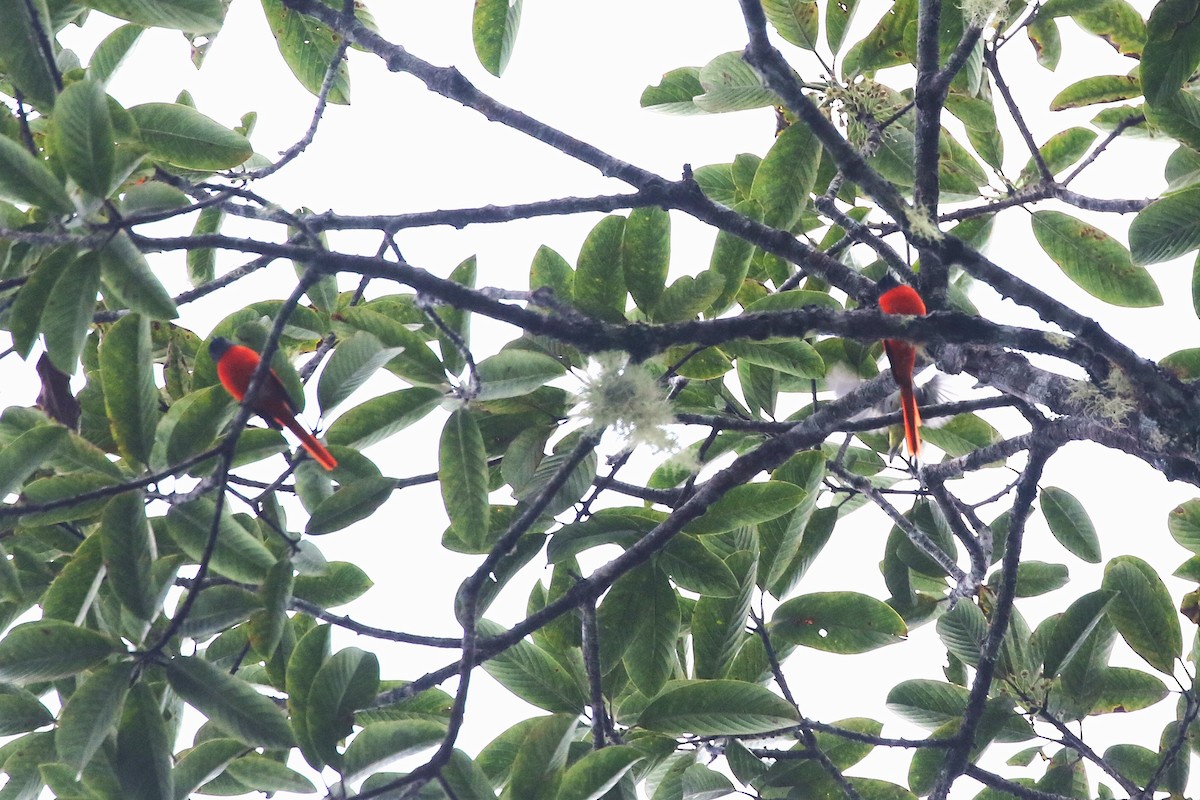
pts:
pixel 235 367
pixel 897 298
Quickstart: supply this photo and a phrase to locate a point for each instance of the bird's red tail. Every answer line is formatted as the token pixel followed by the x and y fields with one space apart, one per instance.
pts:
pixel 310 443
pixel 912 420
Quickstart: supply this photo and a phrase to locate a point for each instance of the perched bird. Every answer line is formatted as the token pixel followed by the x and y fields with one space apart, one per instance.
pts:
pixel 235 366
pixel 898 298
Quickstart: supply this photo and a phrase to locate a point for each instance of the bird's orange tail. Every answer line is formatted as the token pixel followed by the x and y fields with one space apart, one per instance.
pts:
pixel 912 420
pixel 310 443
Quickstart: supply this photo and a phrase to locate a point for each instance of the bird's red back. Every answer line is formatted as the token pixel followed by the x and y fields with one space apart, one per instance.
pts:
pixel 902 299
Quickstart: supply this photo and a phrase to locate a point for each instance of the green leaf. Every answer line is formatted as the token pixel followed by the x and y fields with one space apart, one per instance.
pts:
pixel 979 117
pixel 345 683
pixel 380 743
pixel 599 279
pixel 1059 152
pixel 730 84
pixel 494 27
pixel 457 320
pixel 109 54
pixel 68 486
pixel 1167 228
pixel 307 47
pixel 1143 612
pixel 143 754
pixel 550 270
pixel 884 46
pixel 958 171
pixel 354 360
pixel 1172 49
pixel 696 568
pixel 21 711
pixel 91 713
pixel 795 357
pixel 675 92
pixel 687 296
pixel 796 21
pixel 202 763
pixel 1183 523
pixel 1097 263
pixel 378 418
pixel 67 316
pixel 962 434
pixel 842 753
pixel 592 776
pixel 838 622
pixel 25 454
pixel 731 257
pixel 239 555
pixel 267 775
pixel 51 649
pixel 533 675
pixel 838 16
pixel 129 549
pixel 417 364
pixel 748 504
pixel 513 373
pixel 128 275
pixel 716 708
pixel 202 261
pixel 218 608
pixel 339 583
pixel 30 306
pixel 230 702
pixel 130 396
pixel 1046 41
pixel 83 136
pixel 189 16
pixel 355 501
pixel 538 764
pixel 1072 628
pixel 1070 524
pixel 25 179
pixel 650 656
pixel 25 62
pixel 646 254
pixel 928 703
pixel 786 176
pixel 191 425
pixel 1116 22
pixel 718 623
pixel 1097 89
pixel 1034 578
pixel 463 474
pixel 698 782
pixel 1128 690
pixel 182 136
pixel 307 658
pixel 963 631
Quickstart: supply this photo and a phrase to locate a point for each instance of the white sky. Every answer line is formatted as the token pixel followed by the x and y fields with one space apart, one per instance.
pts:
pixel 581 67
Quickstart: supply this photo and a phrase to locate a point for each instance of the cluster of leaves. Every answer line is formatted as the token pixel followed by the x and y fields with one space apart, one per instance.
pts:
pixel 666 648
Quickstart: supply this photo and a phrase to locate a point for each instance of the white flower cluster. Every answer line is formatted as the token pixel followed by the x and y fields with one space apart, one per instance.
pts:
pixel 627 398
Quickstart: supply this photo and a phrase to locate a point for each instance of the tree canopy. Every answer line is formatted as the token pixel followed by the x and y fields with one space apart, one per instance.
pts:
pixel 161 560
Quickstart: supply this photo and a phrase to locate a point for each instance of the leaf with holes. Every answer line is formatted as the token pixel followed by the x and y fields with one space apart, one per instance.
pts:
pixel 838 622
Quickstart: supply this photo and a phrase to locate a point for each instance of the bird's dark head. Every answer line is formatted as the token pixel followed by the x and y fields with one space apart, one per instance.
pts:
pixel 886 283
pixel 218 347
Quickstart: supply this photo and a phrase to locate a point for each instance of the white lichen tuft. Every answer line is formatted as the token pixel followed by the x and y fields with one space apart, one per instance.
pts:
pixel 977 13
pixel 1058 339
pixel 627 398
pixel 922 225
pixel 1114 405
